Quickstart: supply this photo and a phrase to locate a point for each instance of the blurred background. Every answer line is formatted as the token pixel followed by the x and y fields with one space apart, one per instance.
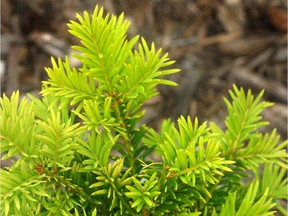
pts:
pixel 215 42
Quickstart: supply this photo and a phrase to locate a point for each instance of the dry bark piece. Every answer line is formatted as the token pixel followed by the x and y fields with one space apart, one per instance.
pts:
pixel 5 15
pixel 245 46
pixel 187 90
pixel 50 44
pixel 13 70
pixel 278 17
pixel 245 77
pixel 220 38
pixel 281 55
pixel 262 58
pixel 232 17
pixel 54 46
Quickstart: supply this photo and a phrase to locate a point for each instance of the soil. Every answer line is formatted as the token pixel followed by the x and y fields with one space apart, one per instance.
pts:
pixel 215 44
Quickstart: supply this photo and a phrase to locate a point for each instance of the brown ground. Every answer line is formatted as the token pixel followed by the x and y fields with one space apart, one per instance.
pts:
pixel 215 43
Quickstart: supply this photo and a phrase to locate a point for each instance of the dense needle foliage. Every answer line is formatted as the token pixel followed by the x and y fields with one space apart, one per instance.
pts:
pixel 84 152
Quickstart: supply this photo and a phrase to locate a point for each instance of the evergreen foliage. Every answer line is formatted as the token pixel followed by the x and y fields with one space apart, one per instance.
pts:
pixel 84 152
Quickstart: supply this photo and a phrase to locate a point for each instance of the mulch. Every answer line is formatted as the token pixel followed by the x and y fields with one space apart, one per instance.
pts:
pixel 215 44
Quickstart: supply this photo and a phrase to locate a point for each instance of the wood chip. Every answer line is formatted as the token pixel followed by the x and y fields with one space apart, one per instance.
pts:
pixel 248 79
pixel 245 46
pixel 232 17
